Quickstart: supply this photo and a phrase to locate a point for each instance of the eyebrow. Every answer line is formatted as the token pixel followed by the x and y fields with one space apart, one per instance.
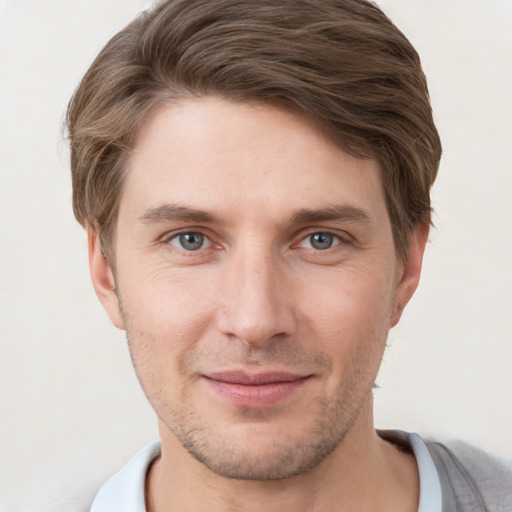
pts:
pixel 347 213
pixel 173 212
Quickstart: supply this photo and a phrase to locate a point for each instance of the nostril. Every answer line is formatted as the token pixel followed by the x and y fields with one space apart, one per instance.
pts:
pixel 256 325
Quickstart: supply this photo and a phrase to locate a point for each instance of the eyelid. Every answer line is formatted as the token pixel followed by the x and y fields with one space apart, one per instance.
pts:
pixel 173 233
pixel 342 236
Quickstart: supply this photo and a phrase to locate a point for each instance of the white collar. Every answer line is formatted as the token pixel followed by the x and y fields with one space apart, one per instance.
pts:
pixel 431 497
pixel 124 492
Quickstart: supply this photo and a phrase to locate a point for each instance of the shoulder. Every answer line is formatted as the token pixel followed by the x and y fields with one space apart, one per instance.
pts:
pixel 473 478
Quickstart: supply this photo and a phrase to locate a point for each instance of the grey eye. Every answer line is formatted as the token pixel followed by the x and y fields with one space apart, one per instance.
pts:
pixel 189 241
pixel 320 241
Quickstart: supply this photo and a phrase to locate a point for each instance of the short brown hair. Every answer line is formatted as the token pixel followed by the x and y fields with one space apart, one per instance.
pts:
pixel 341 63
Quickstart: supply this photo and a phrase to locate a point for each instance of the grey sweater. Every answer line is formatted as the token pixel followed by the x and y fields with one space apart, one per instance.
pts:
pixel 471 479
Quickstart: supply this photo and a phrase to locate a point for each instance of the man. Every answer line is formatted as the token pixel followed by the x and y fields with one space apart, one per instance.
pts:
pixel 254 180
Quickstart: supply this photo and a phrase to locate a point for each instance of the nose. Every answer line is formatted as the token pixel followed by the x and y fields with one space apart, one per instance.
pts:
pixel 256 302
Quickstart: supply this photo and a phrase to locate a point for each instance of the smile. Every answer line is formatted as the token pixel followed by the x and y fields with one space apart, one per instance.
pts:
pixel 254 390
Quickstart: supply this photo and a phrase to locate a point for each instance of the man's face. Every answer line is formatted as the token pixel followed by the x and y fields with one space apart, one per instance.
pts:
pixel 257 280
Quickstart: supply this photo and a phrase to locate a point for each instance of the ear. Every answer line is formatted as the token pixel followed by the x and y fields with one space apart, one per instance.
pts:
pixel 409 275
pixel 103 279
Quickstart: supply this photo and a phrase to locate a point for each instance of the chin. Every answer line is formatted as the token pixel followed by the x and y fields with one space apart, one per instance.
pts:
pixel 262 451
pixel 262 463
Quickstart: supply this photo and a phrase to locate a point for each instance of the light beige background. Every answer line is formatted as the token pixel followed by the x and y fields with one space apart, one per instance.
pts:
pixel 71 409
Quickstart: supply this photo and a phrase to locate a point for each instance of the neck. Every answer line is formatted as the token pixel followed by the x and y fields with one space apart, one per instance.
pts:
pixel 363 473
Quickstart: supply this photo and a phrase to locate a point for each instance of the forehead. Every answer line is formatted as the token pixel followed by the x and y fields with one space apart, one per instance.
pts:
pixel 215 154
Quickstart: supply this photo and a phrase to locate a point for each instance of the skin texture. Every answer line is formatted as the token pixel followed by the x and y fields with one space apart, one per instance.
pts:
pixel 292 272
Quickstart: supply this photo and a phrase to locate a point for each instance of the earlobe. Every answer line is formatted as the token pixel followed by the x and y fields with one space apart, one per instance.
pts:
pixel 103 279
pixel 409 277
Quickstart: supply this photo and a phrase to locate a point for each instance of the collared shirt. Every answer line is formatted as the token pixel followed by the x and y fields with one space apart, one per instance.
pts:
pixel 124 492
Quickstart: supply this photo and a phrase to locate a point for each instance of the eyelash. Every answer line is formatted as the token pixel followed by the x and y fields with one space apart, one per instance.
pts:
pixel 177 236
pixel 335 239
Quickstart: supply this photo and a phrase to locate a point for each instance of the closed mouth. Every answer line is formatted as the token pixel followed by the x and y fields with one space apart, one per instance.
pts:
pixel 251 390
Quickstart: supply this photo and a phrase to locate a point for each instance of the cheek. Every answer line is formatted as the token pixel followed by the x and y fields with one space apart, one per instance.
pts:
pixel 163 325
pixel 158 297
pixel 165 316
pixel 350 313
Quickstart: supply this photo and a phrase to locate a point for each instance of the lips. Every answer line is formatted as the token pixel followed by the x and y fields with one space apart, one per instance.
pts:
pixel 254 390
